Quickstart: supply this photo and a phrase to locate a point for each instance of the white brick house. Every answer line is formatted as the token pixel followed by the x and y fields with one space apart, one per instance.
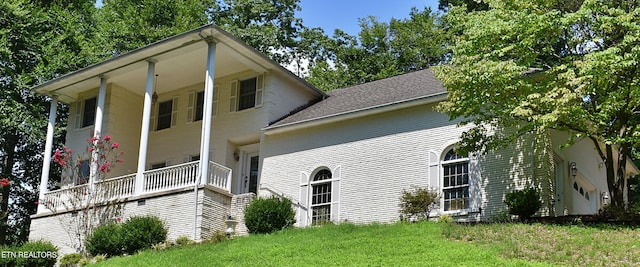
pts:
pixel 204 120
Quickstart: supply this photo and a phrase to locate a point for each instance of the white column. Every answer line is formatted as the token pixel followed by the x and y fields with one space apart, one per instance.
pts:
pixel 100 107
pixel 48 148
pixel 144 131
pixel 97 127
pixel 205 138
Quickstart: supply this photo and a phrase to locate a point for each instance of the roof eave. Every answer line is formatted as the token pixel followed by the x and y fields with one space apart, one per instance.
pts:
pixel 160 47
pixel 355 113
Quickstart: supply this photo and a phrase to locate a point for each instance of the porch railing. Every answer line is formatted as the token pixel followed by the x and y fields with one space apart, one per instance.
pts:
pixel 157 180
pixel 219 176
pixel 170 177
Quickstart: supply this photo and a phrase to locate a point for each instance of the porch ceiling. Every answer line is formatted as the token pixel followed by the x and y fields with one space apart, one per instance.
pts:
pixel 180 61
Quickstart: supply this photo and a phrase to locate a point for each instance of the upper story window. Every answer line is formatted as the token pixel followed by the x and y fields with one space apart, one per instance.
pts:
pixel 199 106
pixel 195 108
pixel 247 93
pixel 166 114
pixel 85 112
pixel 89 112
pixel 455 186
pixel 321 197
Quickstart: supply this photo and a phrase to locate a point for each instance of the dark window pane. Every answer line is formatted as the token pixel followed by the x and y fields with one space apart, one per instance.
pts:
pixel 164 115
pixel 89 112
pixel 247 94
pixel 199 106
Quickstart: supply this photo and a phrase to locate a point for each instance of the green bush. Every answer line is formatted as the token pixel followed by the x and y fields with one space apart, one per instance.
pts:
pixel 41 253
pixel 417 203
pixel 106 239
pixel 184 240
pixel 266 215
pixel 524 203
pixel 140 233
pixel 70 260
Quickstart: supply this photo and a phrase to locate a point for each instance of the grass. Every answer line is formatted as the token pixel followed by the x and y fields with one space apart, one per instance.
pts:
pixel 420 244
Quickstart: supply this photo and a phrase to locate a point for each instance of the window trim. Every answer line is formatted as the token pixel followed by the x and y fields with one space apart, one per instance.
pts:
pixel 155 116
pixel 456 161
pixel 81 112
pixel 258 93
pixel 313 183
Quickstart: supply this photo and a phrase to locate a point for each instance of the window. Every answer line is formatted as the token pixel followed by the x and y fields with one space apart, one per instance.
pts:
pixel 455 189
pixel 164 115
pixel 199 106
pixel 247 96
pixel 85 112
pixel 89 112
pixel 247 93
pixel 321 197
pixel 84 171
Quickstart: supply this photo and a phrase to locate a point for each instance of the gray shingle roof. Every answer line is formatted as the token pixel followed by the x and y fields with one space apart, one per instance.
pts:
pixel 396 89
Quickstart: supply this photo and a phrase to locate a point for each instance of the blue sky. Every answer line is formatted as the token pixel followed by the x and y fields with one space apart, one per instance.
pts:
pixel 344 14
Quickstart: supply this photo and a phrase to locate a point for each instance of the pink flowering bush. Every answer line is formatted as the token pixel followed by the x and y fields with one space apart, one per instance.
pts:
pixel 4 182
pixel 102 151
pixel 94 203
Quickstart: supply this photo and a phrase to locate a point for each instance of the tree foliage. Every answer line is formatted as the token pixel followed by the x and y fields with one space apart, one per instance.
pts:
pixel 532 66
pixel 380 50
pixel 38 40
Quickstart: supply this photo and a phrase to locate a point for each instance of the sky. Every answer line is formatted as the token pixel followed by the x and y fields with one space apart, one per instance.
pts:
pixel 343 14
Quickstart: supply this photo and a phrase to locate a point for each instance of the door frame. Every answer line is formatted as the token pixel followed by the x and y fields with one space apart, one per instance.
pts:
pixel 245 153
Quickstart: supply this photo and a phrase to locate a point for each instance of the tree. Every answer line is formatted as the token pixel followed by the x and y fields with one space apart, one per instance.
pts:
pixel 125 25
pixel 270 26
pixel 38 40
pixel 380 50
pixel 472 5
pixel 570 66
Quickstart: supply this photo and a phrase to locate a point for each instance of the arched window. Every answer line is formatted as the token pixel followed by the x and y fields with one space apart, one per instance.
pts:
pixel 321 197
pixel 455 186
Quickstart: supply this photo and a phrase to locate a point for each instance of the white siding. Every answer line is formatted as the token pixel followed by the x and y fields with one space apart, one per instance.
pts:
pixel 282 97
pixel 381 155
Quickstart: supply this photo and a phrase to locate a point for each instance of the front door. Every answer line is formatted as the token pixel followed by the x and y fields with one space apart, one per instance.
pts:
pixel 250 179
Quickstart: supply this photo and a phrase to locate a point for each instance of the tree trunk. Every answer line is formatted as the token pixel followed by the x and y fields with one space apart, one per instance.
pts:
pixel 616 176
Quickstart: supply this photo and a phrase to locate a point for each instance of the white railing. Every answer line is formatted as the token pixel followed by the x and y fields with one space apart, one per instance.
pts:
pixel 65 198
pixel 119 187
pixel 219 176
pixel 157 180
pixel 170 177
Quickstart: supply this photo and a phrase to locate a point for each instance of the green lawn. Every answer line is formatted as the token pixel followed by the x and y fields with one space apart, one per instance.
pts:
pixel 420 244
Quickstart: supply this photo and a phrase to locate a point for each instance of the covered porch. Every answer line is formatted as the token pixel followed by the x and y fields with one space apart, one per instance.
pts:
pixel 122 187
pixel 123 97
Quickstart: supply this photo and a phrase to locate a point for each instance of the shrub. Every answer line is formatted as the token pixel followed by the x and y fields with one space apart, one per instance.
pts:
pixel 418 202
pixel 84 261
pixel 47 254
pixel 140 233
pixel 445 218
pixel 266 215
pixel 523 203
pixel 99 258
pixel 70 260
pixel 106 239
pixel 217 237
pixel 184 240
